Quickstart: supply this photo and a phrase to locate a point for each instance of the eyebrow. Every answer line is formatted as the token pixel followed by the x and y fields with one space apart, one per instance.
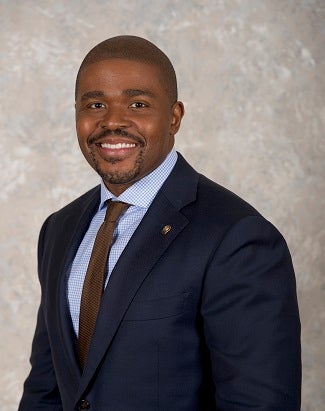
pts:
pixel 136 92
pixel 128 92
pixel 92 94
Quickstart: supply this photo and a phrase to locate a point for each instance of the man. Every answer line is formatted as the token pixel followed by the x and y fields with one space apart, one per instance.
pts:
pixel 197 307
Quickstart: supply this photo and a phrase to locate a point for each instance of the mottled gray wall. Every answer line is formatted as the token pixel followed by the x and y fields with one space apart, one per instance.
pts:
pixel 251 74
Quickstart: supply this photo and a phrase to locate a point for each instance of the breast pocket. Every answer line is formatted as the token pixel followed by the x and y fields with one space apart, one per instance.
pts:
pixel 157 308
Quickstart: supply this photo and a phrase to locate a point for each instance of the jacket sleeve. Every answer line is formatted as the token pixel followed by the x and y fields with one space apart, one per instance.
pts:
pixel 251 320
pixel 40 388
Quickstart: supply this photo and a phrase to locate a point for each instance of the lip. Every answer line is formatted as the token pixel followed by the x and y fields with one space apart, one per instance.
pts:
pixel 114 137
pixel 116 147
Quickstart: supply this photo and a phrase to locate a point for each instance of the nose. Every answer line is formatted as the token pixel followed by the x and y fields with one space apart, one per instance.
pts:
pixel 114 118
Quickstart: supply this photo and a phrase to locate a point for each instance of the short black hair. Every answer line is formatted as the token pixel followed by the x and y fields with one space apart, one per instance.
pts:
pixel 137 49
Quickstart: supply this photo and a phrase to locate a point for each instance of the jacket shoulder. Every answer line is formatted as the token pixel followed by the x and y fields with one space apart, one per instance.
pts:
pixel 203 200
pixel 223 202
pixel 217 209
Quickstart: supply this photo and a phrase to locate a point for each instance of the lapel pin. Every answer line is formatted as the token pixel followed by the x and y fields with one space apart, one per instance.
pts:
pixel 166 229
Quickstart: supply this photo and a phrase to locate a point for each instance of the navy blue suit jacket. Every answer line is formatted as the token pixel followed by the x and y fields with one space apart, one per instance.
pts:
pixel 203 317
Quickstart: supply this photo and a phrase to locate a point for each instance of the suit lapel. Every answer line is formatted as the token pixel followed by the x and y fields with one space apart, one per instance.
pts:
pixel 73 230
pixel 150 242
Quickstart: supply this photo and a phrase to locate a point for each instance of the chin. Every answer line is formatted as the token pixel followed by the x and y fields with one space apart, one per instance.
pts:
pixel 119 176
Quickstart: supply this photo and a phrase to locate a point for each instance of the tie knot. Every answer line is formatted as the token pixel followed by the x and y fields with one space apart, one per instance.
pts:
pixel 114 210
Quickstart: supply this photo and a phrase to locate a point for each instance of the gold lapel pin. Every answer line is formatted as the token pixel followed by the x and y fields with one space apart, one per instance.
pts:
pixel 166 229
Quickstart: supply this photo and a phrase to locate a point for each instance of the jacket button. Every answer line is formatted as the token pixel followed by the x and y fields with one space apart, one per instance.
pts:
pixel 84 405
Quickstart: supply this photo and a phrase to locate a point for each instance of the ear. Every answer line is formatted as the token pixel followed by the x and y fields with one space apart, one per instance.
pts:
pixel 177 115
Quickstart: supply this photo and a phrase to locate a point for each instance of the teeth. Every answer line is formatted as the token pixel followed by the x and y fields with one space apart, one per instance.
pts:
pixel 117 146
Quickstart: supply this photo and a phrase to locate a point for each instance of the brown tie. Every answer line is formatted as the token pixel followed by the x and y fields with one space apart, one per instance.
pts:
pixel 94 280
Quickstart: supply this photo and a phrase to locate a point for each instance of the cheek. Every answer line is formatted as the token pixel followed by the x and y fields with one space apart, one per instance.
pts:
pixel 83 128
pixel 157 133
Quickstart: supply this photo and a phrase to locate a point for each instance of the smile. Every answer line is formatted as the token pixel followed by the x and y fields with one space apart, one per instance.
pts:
pixel 117 146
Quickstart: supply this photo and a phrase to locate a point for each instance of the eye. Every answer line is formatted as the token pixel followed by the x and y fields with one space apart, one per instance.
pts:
pixel 138 104
pixel 96 105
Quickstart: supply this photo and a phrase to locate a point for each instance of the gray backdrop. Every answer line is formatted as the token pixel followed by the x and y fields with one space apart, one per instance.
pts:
pixel 251 75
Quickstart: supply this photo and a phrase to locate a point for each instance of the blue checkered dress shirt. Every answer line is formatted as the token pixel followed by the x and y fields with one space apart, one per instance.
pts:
pixel 140 195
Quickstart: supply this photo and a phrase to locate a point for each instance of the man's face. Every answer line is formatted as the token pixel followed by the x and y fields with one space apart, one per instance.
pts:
pixel 124 119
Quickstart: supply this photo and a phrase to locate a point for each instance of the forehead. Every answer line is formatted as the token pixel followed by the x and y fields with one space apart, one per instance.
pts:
pixel 118 75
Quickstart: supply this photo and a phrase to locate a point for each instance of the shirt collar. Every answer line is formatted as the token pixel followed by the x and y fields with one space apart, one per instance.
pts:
pixel 143 191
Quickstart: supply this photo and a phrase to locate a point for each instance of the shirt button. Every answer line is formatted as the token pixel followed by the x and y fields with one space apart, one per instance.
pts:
pixel 84 405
